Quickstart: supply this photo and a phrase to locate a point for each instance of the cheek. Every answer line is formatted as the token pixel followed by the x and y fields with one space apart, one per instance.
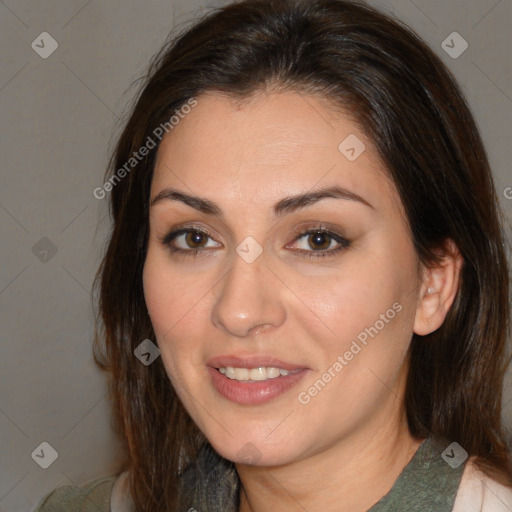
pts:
pixel 173 301
pixel 169 294
pixel 350 301
pixel 367 313
pixel 162 296
pixel 159 295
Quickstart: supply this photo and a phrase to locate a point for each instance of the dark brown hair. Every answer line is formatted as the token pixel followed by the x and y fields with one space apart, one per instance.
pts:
pixel 411 108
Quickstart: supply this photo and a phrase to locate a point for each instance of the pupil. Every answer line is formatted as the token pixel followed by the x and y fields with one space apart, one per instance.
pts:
pixel 194 238
pixel 319 239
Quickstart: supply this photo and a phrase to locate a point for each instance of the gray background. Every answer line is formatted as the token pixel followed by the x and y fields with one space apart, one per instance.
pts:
pixel 60 116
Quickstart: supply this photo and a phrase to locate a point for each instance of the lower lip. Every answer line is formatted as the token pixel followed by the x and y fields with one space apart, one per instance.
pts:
pixel 254 393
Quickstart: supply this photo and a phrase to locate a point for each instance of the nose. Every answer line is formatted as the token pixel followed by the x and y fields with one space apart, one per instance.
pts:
pixel 248 300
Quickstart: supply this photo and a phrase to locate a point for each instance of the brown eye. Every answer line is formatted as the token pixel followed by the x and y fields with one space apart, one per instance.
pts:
pixel 196 239
pixel 319 241
pixel 189 240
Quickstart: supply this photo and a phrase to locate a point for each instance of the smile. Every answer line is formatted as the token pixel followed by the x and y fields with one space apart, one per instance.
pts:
pixel 249 391
pixel 254 374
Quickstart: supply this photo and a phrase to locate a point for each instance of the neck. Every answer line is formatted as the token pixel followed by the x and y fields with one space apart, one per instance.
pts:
pixel 350 476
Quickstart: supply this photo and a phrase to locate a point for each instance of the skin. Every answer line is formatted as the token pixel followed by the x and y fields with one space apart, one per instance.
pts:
pixel 344 449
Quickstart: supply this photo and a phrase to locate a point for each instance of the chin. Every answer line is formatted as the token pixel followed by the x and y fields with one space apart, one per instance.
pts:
pixel 256 451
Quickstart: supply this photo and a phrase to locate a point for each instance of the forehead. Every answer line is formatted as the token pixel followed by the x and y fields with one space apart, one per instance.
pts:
pixel 272 145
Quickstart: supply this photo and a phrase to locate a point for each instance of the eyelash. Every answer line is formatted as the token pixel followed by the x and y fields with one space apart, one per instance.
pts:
pixel 343 243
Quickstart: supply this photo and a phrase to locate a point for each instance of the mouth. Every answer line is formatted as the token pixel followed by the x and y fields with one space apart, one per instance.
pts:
pixel 253 380
pixel 258 374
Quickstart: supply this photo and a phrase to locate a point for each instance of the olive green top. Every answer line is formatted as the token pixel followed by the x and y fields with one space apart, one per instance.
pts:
pixel 93 497
pixel 428 483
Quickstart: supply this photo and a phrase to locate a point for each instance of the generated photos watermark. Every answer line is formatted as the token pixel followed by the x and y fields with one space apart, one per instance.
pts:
pixel 304 397
pixel 150 143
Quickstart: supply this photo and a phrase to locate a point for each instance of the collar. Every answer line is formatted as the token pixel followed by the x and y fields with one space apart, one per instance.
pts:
pixel 429 482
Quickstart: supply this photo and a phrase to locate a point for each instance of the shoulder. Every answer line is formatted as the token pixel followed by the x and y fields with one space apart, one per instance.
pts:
pixel 92 497
pixel 121 497
pixel 480 493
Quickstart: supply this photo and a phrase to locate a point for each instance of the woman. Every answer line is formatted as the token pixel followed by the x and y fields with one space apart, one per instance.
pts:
pixel 305 293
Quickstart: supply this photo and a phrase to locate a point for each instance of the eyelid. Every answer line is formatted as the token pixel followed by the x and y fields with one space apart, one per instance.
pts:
pixel 303 231
pixel 299 231
pixel 170 235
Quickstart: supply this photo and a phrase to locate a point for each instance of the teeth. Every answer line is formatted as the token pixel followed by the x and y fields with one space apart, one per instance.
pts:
pixel 254 374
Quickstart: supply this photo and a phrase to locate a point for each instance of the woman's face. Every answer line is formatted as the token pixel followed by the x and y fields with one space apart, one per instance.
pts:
pixel 244 273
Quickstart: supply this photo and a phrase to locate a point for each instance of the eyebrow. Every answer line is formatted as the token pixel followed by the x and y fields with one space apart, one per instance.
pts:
pixel 282 207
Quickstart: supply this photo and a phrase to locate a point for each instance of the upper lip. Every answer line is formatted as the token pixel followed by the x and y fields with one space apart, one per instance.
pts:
pixel 253 361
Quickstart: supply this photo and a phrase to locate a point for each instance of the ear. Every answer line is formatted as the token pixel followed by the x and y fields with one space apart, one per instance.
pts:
pixel 438 290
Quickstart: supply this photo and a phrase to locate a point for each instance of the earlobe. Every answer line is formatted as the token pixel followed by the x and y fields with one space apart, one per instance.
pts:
pixel 438 290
